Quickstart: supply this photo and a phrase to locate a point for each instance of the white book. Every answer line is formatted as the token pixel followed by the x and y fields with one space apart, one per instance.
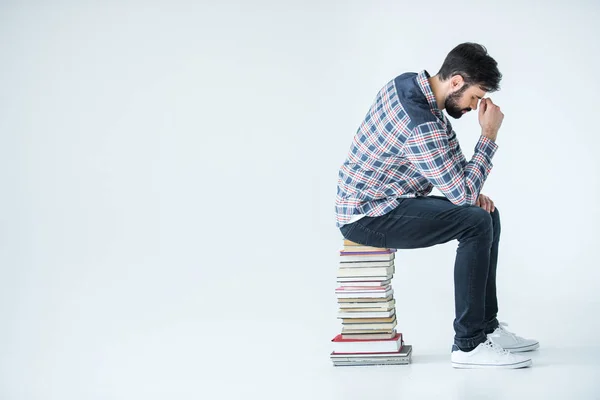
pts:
pixel 363 272
pixel 365 264
pixel 363 328
pixel 365 283
pixel 344 279
pixel 355 295
pixel 384 305
pixel 369 257
pixel 364 314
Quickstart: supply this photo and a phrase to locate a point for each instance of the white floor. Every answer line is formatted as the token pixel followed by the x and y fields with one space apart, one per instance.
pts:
pixel 181 361
pixel 568 372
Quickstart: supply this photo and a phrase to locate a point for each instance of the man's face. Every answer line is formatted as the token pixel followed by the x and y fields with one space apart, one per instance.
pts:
pixel 463 100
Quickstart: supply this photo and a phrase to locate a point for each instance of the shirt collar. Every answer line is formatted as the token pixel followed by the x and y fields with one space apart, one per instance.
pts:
pixel 422 81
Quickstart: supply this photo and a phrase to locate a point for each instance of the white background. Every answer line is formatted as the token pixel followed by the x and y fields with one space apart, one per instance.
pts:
pixel 168 175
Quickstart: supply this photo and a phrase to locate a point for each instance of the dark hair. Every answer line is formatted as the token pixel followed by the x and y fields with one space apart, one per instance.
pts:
pixel 474 64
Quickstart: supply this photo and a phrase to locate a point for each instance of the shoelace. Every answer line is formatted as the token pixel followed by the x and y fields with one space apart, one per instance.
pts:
pixel 495 347
pixel 503 329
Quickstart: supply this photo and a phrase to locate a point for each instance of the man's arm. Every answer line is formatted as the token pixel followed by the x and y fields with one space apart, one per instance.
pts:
pixel 455 147
pixel 429 150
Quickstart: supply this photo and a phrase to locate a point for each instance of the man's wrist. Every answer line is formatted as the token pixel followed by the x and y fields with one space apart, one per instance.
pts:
pixel 490 134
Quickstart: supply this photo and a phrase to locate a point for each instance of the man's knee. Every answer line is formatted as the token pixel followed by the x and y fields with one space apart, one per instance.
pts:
pixel 480 220
pixel 496 222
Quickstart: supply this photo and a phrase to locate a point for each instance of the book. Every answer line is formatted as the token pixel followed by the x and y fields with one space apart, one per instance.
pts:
pixel 365 300
pixel 366 314
pixel 404 351
pixel 369 362
pixel 385 305
pixel 348 312
pixel 366 331
pixel 377 320
pixel 364 272
pixel 365 283
pixel 365 253
pixel 364 328
pixel 401 357
pixel 351 289
pixel 369 295
pixel 365 263
pixel 358 248
pixel 341 345
pixel 344 279
pixel 369 336
pixel 350 243
pixel 387 256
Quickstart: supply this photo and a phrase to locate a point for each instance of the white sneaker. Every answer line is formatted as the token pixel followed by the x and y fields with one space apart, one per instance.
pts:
pixel 488 355
pixel 511 342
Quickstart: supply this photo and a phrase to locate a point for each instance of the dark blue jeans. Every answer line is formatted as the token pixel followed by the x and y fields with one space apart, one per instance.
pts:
pixel 426 221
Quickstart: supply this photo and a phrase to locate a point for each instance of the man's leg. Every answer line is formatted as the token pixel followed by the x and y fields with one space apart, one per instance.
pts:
pixel 491 300
pixel 427 221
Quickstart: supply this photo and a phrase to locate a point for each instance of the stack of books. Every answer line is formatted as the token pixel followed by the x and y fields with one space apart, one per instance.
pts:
pixel 367 309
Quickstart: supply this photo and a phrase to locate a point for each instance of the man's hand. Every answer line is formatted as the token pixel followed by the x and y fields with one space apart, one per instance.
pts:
pixel 486 203
pixel 490 118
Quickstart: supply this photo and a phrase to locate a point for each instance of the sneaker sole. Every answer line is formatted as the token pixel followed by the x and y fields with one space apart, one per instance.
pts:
pixel 521 364
pixel 524 348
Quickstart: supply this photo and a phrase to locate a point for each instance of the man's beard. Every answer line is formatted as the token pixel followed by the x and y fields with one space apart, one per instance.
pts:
pixel 451 104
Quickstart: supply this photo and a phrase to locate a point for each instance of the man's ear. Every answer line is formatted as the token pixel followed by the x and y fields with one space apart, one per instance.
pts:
pixel 456 82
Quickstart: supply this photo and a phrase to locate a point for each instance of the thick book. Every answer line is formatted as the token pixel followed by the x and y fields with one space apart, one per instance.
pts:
pixel 368 295
pixel 364 272
pixel 355 346
pixel 350 289
pixel 404 351
pixel 357 306
pixel 375 362
pixel 344 279
pixel 363 264
pixel 366 314
pixel 365 331
pixel 363 284
pixel 350 243
pixel 367 252
pixel 370 336
pixel 358 248
pixel 403 357
pixel 366 300
pixel 356 328
pixel 348 312
pixel 387 256
pixel 351 321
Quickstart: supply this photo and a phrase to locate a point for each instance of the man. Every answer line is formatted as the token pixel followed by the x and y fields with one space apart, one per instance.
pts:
pixel 404 147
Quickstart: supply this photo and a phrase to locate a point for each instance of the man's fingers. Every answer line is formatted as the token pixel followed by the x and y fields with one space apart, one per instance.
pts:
pixel 486 204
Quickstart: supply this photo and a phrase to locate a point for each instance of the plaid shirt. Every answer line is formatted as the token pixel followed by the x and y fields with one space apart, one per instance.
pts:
pixel 404 147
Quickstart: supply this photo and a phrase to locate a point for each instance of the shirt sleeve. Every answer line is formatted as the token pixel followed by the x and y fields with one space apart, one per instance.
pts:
pixel 429 150
pixel 456 150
